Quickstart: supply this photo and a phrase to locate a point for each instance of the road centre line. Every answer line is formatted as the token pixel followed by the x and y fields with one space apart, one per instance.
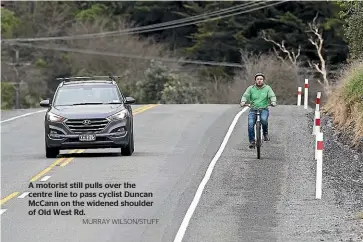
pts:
pixel 140 108
pixel 40 174
pixel 70 159
pixel 55 163
pixel 145 108
pixel 70 152
pixel 179 236
pixel 66 162
pixel 49 168
pixel 4 200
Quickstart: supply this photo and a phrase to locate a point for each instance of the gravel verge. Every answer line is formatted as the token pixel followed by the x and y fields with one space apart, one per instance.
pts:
pixel 343 172
pixel 336 216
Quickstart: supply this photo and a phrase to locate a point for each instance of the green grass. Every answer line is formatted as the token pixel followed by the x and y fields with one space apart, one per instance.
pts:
pixel 353 90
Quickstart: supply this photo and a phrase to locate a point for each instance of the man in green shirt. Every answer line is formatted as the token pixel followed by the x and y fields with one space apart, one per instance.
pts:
pixel 258 95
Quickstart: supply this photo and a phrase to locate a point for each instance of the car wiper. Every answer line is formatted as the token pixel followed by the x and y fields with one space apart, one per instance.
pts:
pixel 75 104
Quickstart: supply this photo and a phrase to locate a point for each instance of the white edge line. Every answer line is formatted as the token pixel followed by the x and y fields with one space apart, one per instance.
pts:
pixel 24 195
pixel 45 178
pixel 22 116
pixel 179 236
pixel 2 211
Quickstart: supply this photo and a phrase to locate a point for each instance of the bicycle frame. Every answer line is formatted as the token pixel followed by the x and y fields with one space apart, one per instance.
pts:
pixel 258 132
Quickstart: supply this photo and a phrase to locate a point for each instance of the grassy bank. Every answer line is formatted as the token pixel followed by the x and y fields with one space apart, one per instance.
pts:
pixel 345 104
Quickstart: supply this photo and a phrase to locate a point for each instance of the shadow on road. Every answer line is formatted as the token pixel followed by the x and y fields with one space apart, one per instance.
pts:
pixel 108 154
pixel 86 155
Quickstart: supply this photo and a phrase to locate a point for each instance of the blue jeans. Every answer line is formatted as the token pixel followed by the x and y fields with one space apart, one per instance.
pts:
pixel 252 120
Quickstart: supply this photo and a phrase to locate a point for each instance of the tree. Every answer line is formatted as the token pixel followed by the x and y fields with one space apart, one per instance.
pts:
pixel 318 42
pixel 352 13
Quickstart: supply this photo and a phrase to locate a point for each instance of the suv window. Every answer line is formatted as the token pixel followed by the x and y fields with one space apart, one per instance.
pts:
pixel 84 94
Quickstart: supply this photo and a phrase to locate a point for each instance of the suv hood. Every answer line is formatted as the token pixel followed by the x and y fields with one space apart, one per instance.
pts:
pixel 87 111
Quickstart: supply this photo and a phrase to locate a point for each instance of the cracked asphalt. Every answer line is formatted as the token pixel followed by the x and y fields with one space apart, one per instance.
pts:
pixel 245 199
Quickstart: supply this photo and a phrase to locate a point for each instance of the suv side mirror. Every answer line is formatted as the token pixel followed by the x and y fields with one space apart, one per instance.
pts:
pixel 45 103
pixel 130 100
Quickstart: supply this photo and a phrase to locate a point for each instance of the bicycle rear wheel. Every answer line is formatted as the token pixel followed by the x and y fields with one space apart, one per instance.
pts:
pixel 258 139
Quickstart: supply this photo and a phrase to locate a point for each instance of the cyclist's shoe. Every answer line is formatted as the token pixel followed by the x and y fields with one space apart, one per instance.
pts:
pixel 252 144
pixel 266 137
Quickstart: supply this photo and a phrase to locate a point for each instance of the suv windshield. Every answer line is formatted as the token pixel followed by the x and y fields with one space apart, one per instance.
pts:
pixel 87 94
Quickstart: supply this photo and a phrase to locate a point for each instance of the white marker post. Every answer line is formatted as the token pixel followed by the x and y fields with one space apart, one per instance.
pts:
pixel 317 112
pixel 299 92
pixel 316 131
pixel 306 93
pixel 317 122
pixel 319 164
pixel 318 96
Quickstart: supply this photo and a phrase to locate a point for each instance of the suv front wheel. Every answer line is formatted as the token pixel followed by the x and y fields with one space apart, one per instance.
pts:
pixel 51 152
pixel 129 148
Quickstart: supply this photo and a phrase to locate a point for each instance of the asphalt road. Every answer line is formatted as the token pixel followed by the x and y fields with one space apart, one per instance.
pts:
pixel 245 199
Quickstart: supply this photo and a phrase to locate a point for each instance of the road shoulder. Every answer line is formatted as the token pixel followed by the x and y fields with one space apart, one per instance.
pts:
pixel 302 217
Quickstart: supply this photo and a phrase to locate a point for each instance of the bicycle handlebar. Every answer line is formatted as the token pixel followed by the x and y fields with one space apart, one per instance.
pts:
pixel 249 105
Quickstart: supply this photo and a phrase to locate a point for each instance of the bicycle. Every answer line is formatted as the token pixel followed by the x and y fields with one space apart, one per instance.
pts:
pixel 258 129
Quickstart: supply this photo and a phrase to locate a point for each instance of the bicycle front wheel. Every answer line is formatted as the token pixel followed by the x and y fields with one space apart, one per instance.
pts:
pixel 258 139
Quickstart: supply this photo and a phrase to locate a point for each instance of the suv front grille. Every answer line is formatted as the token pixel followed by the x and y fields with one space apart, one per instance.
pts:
pixel 79 125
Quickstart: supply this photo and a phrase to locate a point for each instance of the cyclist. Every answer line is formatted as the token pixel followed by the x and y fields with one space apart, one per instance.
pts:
pixel 258 96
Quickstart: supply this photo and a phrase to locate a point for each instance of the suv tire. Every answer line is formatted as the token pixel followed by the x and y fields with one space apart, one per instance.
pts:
pixel 51 152
pixel 129 148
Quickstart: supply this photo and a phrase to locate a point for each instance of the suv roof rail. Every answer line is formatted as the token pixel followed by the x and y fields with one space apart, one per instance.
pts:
pixel 91 78
pixel 110 78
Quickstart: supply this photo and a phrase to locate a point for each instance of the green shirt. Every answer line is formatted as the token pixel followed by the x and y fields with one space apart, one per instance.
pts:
pixel 259 97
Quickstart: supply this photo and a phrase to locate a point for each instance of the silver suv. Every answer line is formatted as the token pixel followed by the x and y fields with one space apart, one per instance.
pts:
pixel 88 113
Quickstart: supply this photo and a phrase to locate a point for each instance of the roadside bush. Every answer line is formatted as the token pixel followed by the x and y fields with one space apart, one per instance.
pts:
pixel 149 88
pixel 162 85
pixel 182 90
pixel 7 95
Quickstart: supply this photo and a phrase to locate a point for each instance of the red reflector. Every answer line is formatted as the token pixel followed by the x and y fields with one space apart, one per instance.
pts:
pixel 320 145
pixel 317 122
pixel 318 101
pixel 306 85
pixel 299 93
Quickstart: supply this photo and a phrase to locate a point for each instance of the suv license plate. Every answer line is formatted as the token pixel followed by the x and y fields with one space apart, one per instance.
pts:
pixel 87 137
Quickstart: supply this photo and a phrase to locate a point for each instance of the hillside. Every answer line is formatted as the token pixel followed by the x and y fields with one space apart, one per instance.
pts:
pixel 169 52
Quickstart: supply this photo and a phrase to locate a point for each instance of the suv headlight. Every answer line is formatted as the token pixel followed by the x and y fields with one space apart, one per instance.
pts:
pixel 55 118
pixel 120 115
